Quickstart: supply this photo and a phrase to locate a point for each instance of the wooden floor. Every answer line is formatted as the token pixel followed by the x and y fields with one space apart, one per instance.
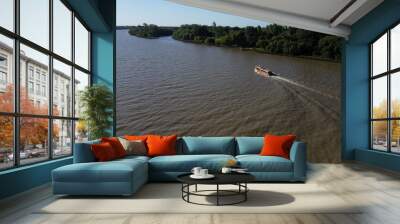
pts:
pixel 379 189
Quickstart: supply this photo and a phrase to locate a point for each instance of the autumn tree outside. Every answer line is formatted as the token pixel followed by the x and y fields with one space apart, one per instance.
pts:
pixel 33 132
pixel 379 128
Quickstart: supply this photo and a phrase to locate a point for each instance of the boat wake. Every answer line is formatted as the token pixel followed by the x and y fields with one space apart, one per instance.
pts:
pixel 305 87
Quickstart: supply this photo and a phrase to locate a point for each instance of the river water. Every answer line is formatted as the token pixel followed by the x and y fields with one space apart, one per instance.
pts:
pixel 171 87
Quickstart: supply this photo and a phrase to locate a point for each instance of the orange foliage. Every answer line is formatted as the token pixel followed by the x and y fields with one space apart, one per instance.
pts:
pixel 33 130
pixel 6 132
pixel 380 127
pixel 7 100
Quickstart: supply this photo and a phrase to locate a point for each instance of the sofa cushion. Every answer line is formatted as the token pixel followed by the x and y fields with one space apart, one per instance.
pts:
pixel 161 145
pixel 134 147
pixel 112 171
pixel 249 145
pixel 208 145
pixel 136 137
pixel 116 145
pixel 257 163
pixel 103 152
pixel 185 163
pixel 277 145
pixel 134 157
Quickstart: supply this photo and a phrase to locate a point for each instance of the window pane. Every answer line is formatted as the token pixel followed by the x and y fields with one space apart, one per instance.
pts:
pixel 379 55
pixel 395 136
pixel 6 142
pixel 62 29
pixel 395 47
pixel 395 94
pixel 379 97
pixel 81 131
pixel 33 139
pixel 35 21
pixel 379 135
pixel 81 45
pixel 7 14
pixel 6 74
pixel 81 82
pixel 62 138
pixel 62 89
pixel 34 72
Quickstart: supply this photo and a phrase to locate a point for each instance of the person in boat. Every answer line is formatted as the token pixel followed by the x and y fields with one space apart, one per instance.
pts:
pixel 262 71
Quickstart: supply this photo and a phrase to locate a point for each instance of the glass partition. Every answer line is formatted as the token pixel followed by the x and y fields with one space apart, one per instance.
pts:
pixel 385 93
pixel 39 123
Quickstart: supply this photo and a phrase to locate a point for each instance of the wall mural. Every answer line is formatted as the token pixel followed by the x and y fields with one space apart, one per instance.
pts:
pixel 227 81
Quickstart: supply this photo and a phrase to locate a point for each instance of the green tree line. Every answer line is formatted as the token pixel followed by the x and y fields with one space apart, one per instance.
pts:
pixel 150 31
pixel 272 39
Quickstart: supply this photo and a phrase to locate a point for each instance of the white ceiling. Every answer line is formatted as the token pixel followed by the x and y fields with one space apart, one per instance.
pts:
pixel 316 15
pixel 321 9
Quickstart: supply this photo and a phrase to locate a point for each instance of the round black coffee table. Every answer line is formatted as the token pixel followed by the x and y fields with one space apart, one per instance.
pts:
pixel 238 179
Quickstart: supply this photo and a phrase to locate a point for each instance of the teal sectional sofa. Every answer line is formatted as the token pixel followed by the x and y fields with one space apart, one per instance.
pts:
pixel 125 176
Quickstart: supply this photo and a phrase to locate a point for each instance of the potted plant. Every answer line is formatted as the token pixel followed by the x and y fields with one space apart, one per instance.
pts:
pixel 96 102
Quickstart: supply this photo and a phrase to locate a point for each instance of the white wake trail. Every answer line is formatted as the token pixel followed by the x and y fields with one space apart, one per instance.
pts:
pixel 305 87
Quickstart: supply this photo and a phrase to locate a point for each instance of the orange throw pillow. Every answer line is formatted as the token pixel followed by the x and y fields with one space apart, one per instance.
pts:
pixel 136 137
pixel 277 145
pixel 116 145
pixel 161 145
pixel 103 152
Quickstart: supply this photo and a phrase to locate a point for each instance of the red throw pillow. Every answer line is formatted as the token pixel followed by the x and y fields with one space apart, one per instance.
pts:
pixel 161 145
pixel 103 152
pixel 277 145
pixel 116 145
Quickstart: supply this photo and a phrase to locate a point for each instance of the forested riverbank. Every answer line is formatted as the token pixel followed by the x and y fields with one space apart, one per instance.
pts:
pixel 272 39
pixel 151 31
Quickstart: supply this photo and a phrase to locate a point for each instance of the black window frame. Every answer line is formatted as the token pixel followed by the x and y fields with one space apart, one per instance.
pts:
pixel 16 114
pixel 388 74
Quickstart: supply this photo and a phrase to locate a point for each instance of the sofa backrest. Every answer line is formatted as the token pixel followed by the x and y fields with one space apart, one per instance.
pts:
pixel 207 145
pixel 191 146
pixel 249 145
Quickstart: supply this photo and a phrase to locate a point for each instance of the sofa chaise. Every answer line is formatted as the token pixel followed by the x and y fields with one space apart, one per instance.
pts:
pixel 125 176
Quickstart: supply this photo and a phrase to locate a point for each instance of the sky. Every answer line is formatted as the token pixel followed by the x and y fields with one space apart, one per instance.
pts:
pixel 35 27
pixel 379 61
pixel 165 13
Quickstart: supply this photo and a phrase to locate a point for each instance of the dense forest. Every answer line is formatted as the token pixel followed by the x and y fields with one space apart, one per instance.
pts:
pixel 272 39
pixel 151 31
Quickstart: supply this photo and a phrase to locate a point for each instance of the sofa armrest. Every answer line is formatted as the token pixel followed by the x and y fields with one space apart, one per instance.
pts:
pixel 83 152
pixel 298 155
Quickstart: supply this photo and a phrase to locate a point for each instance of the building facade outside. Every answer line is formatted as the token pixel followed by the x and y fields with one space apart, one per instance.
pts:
pixel 34 91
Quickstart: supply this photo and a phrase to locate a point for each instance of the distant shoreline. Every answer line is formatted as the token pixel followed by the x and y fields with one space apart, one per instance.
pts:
pixel 239 48
pixel 256 50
